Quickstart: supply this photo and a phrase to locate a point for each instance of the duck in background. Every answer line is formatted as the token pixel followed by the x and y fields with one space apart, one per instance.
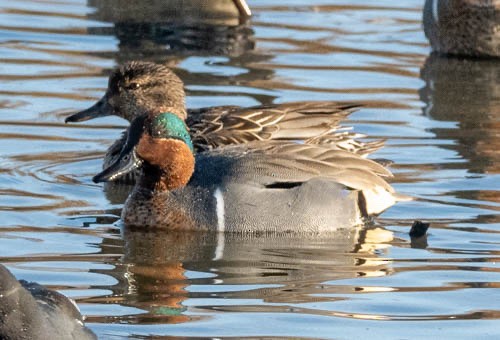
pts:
pixel 216 11
pixel 463 27
pixel 137 88
pixel 31 311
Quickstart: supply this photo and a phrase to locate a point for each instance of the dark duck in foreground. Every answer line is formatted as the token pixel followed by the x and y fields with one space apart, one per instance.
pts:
pixel 275 186
pixel 31 311
pixel 137 88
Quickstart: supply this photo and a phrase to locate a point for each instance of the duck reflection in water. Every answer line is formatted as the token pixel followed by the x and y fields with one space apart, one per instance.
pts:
pixel 160 272
pixel 467 92
pixel 158 30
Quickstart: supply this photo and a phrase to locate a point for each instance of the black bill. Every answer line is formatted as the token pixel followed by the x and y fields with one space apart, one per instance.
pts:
pixel 128 160
pixel 99 109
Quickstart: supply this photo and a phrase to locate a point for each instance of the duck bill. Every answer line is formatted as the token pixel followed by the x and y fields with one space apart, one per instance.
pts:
pixel 99 109
pixel 122 166
pixel 128 159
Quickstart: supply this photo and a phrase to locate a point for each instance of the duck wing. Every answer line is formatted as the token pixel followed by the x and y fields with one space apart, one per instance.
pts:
pixel 283 165
pixel 312 122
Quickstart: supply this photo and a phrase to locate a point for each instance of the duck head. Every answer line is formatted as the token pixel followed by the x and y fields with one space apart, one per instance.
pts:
pixel 137 88
pixel 161 147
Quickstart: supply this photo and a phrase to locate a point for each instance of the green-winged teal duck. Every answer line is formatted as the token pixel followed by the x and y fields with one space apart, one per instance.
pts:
pixel 137 88
pixel 277 186
pixel 31 311
pixel 463 27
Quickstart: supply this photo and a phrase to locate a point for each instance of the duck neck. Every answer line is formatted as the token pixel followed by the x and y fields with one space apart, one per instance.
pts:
pixel 178 110
pixel 170 163
pixel 153 179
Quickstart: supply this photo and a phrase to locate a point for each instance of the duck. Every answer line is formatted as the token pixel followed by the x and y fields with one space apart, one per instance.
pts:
pixel 31 311
pixel 276 186
pixel 221 12
pixel 469 28
pixel 140 87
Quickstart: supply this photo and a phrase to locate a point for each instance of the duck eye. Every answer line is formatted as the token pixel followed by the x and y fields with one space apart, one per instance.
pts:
pixel 132 86
pixel 126 158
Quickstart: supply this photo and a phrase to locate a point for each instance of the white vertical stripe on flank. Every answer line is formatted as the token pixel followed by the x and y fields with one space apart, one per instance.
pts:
pixel 435 11
pixel 219 206
pixel 221 226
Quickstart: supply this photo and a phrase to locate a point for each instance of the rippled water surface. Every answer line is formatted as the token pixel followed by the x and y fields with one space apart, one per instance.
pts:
pixel 441 119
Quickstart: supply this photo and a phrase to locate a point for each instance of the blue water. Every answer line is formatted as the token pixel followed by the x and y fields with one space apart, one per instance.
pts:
pixel 440 117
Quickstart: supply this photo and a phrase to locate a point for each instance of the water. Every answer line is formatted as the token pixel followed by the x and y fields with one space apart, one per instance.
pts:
pixel 441 119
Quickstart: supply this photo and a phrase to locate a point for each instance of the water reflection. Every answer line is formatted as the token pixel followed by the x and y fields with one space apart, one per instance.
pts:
pixel 463 97
pixel 167 30
pixel 159 271
pixel 468 92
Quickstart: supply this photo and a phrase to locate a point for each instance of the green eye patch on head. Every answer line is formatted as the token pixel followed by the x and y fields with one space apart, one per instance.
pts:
pixel 168 125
